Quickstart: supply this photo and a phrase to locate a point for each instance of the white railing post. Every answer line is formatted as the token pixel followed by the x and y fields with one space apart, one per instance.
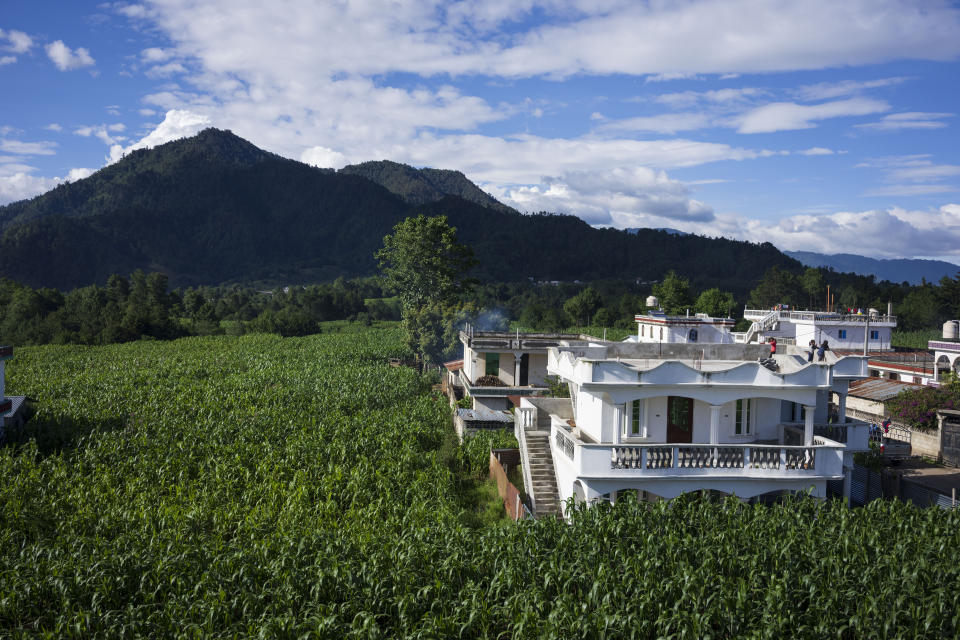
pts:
pixel 783 460
pixel 746 457
pixel 643 458
pixel 675 462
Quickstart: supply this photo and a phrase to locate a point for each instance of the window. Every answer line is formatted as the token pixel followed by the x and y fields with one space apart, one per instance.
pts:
pixel 693 335
pixel 874 335
pixel 843 334
pixel 633 419
pixel 492 367
pixel 742 419
pixel 643 330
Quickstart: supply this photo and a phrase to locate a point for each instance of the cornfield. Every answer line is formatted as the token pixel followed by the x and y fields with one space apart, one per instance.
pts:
pixel 295 488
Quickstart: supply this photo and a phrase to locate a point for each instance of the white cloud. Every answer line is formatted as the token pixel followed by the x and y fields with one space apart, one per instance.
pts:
pixel 786 116
pixel 79 174
pixel 909 120
pixel 165 70
pixel 176 125
pixel 925 173
pixel 622 197
pixel 886 233
pixel 817 151
pixel 323 157
pixel 23 185
pixel 102 131
pixel 4 60
pixel 66 59
pixel 829 90
pixel 650 39
pixel 720 96
pixel 910 190
pixel 663 123
pixel 43 148
pixel 155 54
pixel 147 112
pixel 17 41
pixel 53 126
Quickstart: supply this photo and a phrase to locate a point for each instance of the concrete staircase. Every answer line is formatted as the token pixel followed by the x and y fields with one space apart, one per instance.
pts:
pixel 543 493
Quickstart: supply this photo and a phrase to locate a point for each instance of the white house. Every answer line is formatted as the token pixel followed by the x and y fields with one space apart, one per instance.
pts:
pixel 659 420
pixel 657 327
pixel 946 351
pixel 869 330
pixel 517 362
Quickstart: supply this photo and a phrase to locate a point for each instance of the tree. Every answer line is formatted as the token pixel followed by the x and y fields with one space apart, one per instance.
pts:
pixel 427 267
pixel 812 282
pixel 582 306
pixel 715 303
pixel 423 261
pixel 674 293
pixel 777 286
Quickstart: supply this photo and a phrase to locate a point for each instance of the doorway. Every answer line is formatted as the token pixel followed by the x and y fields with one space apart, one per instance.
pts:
pixel 679 419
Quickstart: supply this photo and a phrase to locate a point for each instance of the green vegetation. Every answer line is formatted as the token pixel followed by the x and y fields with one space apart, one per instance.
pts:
pixel 914 339
pixel 917 407
pixel 301 487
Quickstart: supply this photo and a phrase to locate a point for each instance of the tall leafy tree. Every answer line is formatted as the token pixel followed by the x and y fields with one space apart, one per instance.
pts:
pixel 715 303
pixel 426 265
pixel 674 293
pixel 812 282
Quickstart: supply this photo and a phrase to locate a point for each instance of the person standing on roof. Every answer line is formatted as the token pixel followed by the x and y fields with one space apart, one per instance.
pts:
pixel 822 351
pixel 810 349
pixel 773 345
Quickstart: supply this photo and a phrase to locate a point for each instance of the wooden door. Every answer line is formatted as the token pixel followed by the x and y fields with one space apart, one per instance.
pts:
pixel 679 419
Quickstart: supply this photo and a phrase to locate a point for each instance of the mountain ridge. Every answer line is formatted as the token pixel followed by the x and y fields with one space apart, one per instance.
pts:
pixel 912 270
pixel 214 208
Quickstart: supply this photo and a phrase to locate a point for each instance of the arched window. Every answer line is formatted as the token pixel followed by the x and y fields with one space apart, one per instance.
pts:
pixel 693 335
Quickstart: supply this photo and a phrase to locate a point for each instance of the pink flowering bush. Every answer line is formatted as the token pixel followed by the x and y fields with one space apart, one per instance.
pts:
pixel 917 408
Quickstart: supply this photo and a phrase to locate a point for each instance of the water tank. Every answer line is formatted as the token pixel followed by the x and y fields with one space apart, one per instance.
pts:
pixel 873 313
pixel 652 302
pixel 951 329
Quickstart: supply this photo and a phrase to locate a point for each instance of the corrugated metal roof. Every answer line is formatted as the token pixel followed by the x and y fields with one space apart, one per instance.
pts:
pixel 879 389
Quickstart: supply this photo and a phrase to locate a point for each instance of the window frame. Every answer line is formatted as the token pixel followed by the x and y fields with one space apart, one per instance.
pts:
pixel 738 421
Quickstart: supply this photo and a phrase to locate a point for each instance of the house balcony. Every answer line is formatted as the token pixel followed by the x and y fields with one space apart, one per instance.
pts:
pixel 670 469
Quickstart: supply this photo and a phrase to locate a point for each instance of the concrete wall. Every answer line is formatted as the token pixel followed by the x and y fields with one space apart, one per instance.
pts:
pixel 507 362
pixel 925 444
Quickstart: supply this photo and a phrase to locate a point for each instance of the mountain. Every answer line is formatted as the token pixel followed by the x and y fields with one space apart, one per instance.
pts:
pixel 894 270
pixel 214 208
pixel 675 232
pixel 420 186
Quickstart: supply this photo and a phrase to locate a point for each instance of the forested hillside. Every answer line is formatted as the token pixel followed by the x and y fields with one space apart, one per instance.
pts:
pixel 214 208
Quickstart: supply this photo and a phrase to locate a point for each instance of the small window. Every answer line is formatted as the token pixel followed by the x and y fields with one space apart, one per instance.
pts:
pixel 843 334
pixel 874 335
pixel 643 330
pixel 742 421
pixel 493 364
pixel 661 333
pixel 693 335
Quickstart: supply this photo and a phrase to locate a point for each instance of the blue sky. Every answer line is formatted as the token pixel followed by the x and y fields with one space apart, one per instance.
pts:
pixel 819 125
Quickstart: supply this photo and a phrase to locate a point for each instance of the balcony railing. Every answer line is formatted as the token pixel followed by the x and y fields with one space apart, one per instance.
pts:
pixel 822 459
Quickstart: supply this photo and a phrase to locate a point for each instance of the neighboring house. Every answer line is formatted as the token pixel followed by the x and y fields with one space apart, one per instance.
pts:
pixel 12 408
pixel 658 420
pixel 658 327
pixel 869 330
pixel 946 351
pixel 497 365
